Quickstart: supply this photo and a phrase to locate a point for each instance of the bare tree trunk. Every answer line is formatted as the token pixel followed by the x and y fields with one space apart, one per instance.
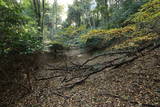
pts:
pixel 38 7
pixel 42 25
pixel 39 12
pixel 93 21
pixel 55 1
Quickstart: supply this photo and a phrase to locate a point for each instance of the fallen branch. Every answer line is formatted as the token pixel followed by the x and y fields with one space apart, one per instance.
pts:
pixel 47 78
pixel 78 76
pixel 70 86
pixel 127 57
pixel 105 54
pixel 125 62
pixel 94 71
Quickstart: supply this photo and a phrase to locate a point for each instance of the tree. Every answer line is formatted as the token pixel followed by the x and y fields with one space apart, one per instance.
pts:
pixel 52 19
pixel 18 28
pixel 39 9
pixel 80 13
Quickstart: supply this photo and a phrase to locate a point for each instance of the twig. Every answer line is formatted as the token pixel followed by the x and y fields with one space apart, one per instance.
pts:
pixel 69 86
pixel 60 95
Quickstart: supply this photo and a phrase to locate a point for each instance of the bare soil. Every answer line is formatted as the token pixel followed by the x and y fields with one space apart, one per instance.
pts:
pixel 136 84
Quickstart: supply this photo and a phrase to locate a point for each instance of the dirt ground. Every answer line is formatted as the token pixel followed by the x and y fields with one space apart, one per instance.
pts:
pixel 136 84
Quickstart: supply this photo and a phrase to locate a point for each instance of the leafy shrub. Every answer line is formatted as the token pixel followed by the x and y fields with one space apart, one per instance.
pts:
pixel 72 31
pixel 145 29
pixel 95 43
pixel 151 26
pixel 19 34
pixel 107 34
pixel 128 8
pixel 54 47
pixel 69 36
pixel 147 12
pixel 147 22
pixel 98 39
pixel 137 41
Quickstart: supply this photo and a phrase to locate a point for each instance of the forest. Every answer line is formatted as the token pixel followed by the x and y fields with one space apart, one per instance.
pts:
pixel 79 53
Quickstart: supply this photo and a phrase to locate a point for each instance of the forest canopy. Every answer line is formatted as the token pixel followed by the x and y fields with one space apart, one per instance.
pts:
pixel 30 26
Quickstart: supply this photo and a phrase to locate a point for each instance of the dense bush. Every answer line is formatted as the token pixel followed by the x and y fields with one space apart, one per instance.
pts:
pixel 137 41
pixel 145 28
pixel 147 21
pixel 55 45
pixel 128 8
pixel 107 38
pixel 72 31
pixel 70 36
pixel 147 12
pixel 19 34
pixel 107 34
pixel 95 43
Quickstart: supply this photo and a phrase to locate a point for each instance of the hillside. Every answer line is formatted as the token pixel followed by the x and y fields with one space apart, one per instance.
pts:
pixel 134 84
pixel 142 29
pixel 108 56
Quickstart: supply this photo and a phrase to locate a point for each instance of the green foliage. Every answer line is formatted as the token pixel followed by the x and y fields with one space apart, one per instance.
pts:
pixel 72 31
pixel 137 41
pixel 95 43
pixel 70 36
pixel 122 12
pixel 54 45
pixel 19 35
pixel 146 29
pixel 127 22
pixel 147 22
pixel 107 34
pixel 107 38
pixel 147 12
pixel 78 11
pixel 53 19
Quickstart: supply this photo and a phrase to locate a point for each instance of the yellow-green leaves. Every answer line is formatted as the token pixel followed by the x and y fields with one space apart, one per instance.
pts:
pixel 108 33
pixel 135 41
pixel 72 31
pixel 147 12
